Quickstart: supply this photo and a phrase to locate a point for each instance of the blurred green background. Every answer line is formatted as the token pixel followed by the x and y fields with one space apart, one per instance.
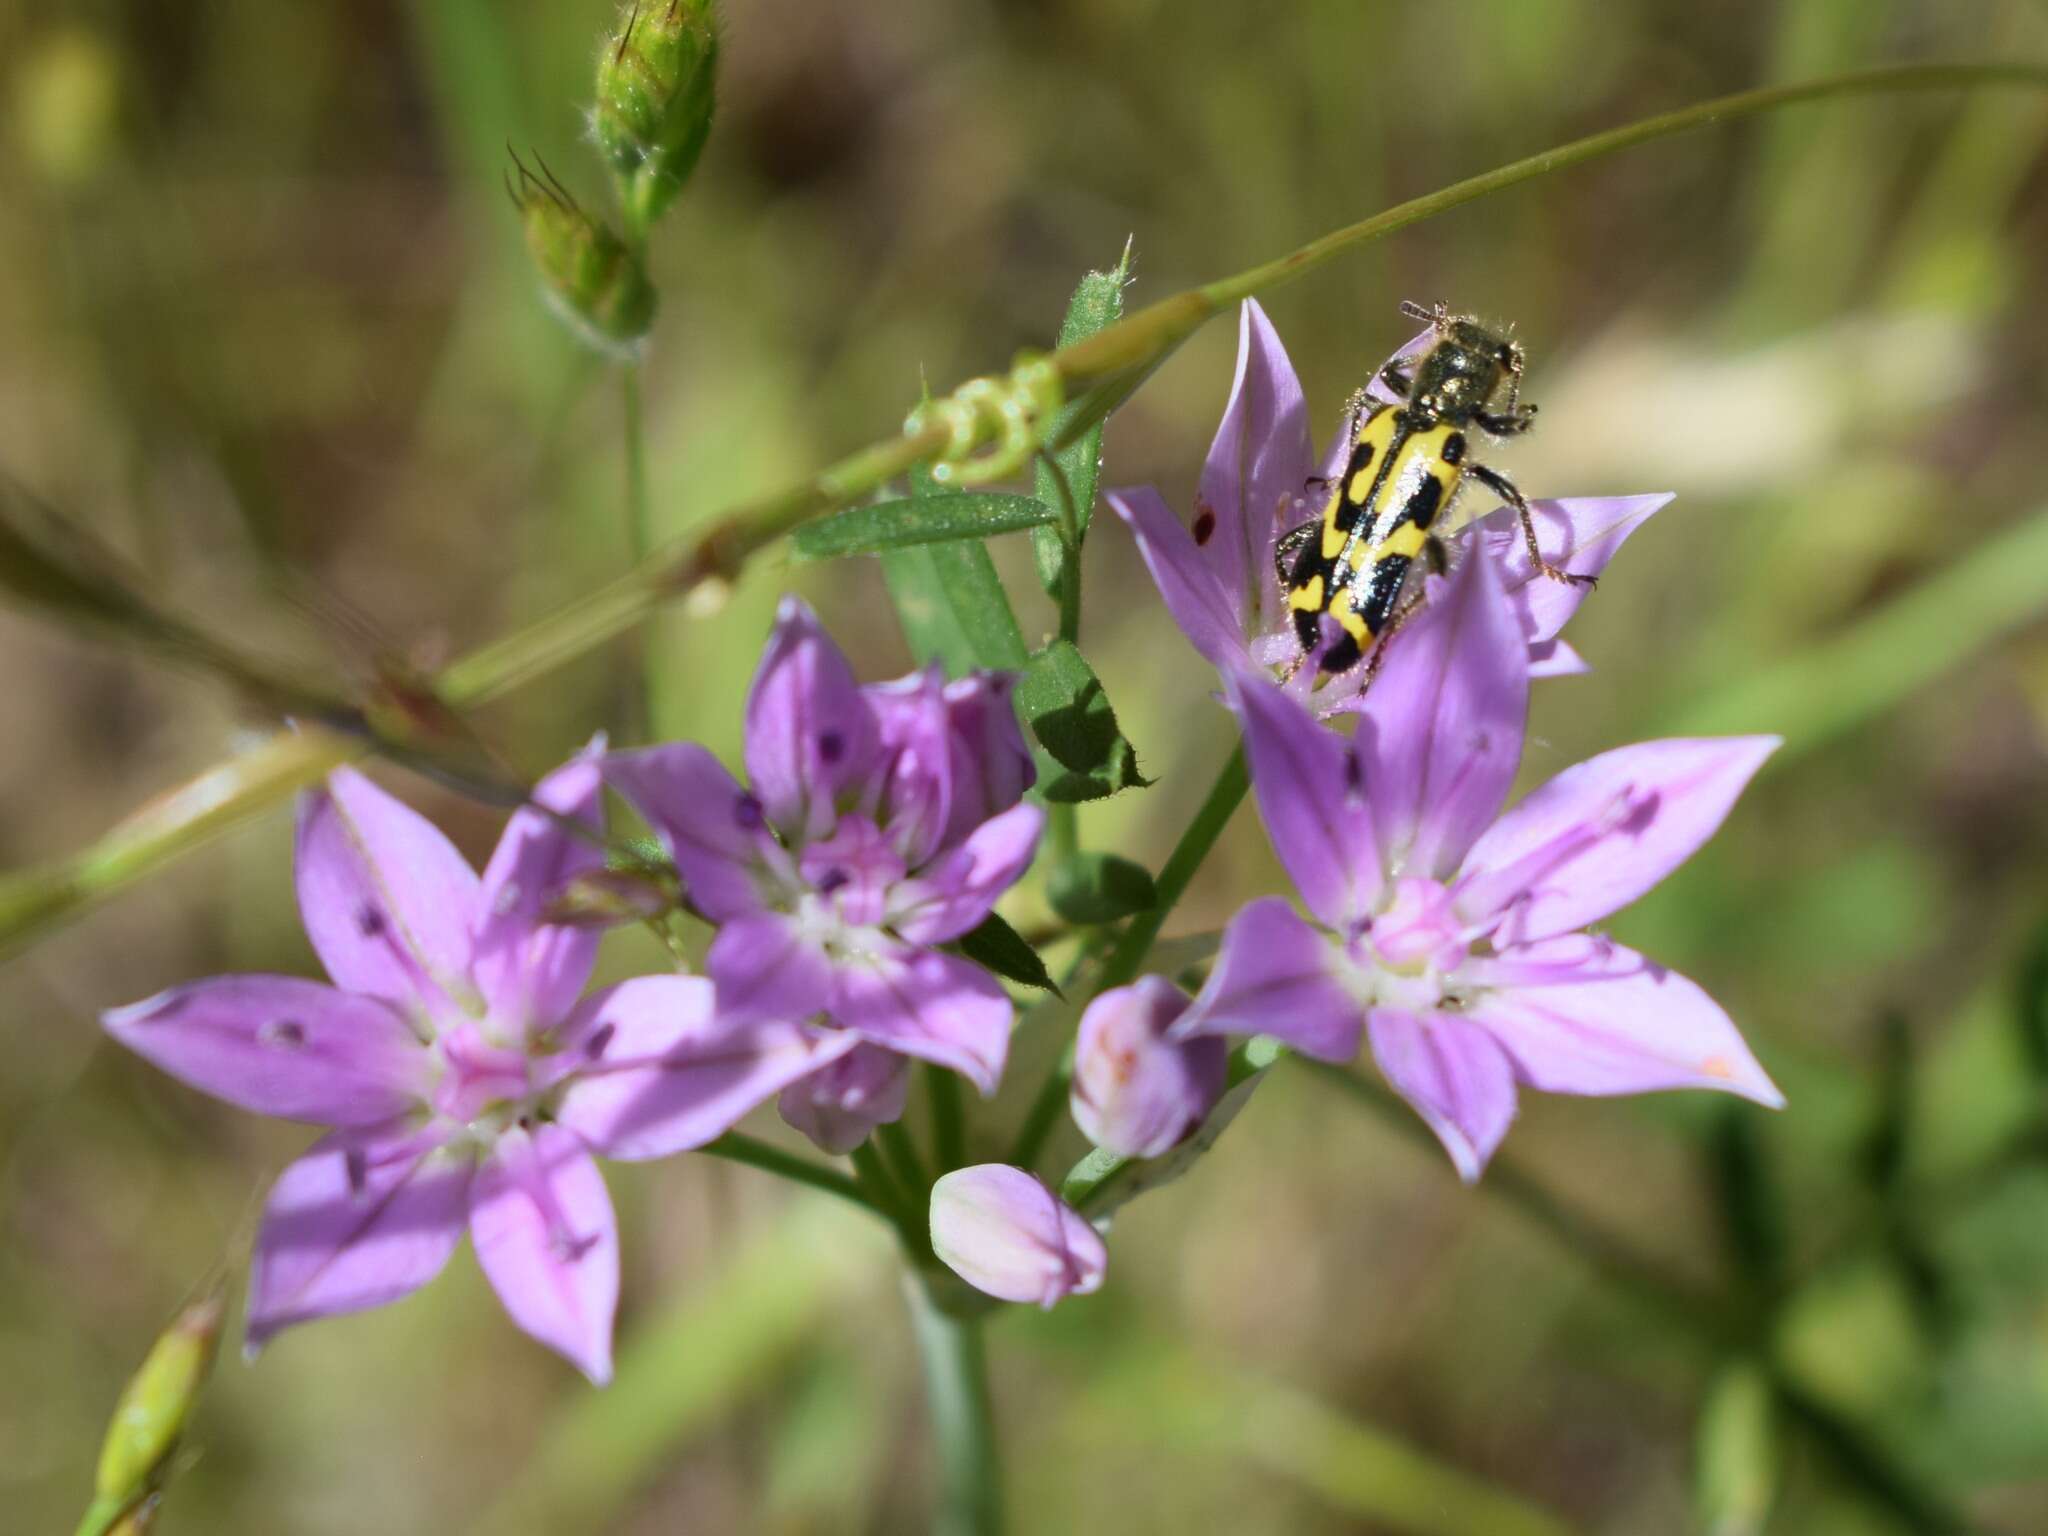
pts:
pixel 267 323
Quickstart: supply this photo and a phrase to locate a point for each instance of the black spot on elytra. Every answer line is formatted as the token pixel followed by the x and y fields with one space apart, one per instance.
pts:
pixel 832 880
pixel 1427 500
pixel 356 1168
pixel 1342 655
pixel 369 921
pixel 594 1047
pixel 747 812
pixel 1454 448
pixel 831 746
pixel 1205 526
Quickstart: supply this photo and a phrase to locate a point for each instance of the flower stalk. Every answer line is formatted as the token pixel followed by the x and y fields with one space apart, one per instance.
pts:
pixel 954 1355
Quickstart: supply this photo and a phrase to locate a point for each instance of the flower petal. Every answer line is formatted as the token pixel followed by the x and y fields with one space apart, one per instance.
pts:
pixel 1275 975
pixel 810 731
pixel 911 795
pixel 1604 831
pixel 1003 1232
pixel 1257 472
pixel 1313 798
pixel 530 971
pixel 545 1235
pixel 1453 1074
pixel 1555 658
pixel 1206 614
pixel 363 1218
pixel 767 968
pixel 992 765
pixel 386 899
pixel 281 1046
pixel 839 1105
pixel 1443 723
pixel 1609 1021
pixel 1579 534
pixel 655 1067
pixel 934 1006
pixel 712 828
pixel 1136 1090
pixel 964 887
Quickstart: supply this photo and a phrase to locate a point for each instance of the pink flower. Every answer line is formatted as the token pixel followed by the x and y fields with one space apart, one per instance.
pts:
pixel 1451 935
pixel 466 1080
pixel 1003 1232
pixel 883 821
pixel 1262 479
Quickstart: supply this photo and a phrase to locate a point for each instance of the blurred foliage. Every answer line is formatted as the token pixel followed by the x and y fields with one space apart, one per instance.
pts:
pixel 268 329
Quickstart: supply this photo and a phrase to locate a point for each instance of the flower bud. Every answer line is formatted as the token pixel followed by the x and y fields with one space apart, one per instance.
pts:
pixel 1003 1232
pixel 656 84
pixel 594 280
pixel 839 1104
pixel 1136 1092
pixel 154 1406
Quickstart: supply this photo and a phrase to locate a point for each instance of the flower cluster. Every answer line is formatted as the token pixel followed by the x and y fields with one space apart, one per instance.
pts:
pixel 469 1083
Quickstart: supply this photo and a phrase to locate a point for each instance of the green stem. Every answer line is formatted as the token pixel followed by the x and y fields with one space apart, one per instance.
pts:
pixel 906 1165
pixel 1135 943
pixel 735 1148
pixel 1108 366
pixel 955 1359
pixel 639 524
pixel 942 1089
pixel 879 1187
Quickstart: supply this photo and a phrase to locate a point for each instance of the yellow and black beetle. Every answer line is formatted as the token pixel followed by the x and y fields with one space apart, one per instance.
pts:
pixel 1407 462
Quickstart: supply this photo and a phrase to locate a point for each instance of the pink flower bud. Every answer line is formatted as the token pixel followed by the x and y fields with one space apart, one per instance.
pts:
pixel 838 1105
pixel 1137 1092
pixel 1003 1232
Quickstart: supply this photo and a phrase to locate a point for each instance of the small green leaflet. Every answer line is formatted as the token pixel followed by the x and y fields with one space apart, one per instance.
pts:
pixel 1100 888
pixel 1062 700
pixel 915 520
pixel 1002 949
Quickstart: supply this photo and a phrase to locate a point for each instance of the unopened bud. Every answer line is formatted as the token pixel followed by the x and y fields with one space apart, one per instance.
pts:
pixel 656 84
pixel 593 278
pixel 1137 1091
pixel 1003 1232
pixel 154 1406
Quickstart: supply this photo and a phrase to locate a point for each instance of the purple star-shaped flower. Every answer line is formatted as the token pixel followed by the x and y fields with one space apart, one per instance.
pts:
pixel 1262 478
pixel 882 822
pixel 466 1083
pixel 1449 934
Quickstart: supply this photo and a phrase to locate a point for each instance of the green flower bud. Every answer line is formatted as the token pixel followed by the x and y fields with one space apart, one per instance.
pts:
pixel 656 83
pixel 153 1409
pixel 594 279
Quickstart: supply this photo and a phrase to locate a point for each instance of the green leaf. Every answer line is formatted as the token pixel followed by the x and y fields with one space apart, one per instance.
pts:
pixel 1098 302
pixel 1002 949
pixel 1100 888
pixel 1061 699
pixel 919 520
pixel 951 603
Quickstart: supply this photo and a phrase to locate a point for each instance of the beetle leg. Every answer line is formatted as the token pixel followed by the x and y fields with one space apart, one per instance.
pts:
pixel 1504 488
pixel 1288 549
pixel 1509 423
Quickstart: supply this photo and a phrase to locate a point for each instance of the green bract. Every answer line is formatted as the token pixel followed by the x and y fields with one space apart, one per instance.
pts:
pixel 593 277
pixel 656 84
